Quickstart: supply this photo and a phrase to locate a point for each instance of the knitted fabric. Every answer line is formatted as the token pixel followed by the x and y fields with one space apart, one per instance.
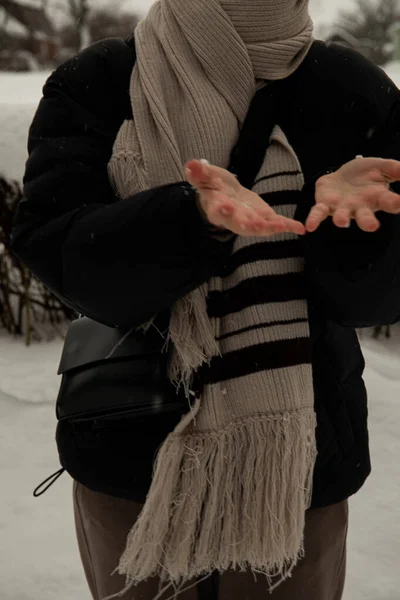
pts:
pixel 232 483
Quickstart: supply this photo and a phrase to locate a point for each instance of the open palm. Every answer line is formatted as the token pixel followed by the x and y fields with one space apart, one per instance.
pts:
pixel 230 206
pixel 356 191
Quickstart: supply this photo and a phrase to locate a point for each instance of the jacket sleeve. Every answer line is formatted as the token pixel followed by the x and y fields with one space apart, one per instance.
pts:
pixel 354 277
pixel 119 262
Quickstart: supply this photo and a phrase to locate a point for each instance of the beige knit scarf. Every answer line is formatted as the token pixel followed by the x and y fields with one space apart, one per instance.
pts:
pixel 233 481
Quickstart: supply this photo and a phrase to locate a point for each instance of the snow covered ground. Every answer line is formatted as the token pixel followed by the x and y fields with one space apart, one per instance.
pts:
pixel 19 96
pixel 38 558
pixel 38 554
pixel 29 373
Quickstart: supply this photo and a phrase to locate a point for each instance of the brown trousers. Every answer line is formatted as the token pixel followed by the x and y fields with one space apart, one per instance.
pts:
pixel 103 523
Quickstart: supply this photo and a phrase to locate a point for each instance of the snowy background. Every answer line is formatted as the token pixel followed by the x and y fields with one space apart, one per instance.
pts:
pixel 38 554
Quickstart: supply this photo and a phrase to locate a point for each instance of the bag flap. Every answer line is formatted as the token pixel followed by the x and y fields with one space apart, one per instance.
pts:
pixel 88 341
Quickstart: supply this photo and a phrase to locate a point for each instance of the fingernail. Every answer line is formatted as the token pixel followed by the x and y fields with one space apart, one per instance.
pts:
pixel 347 226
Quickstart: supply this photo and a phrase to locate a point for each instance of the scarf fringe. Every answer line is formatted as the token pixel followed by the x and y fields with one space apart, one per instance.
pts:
pixel 126 169
pixel 191 333
pixel 227 499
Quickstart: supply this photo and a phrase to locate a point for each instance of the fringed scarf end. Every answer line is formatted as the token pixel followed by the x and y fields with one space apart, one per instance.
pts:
pixel 191 333
pixel 233 499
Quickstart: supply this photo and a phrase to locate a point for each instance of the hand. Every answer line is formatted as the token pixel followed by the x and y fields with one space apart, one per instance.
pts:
pixel 356 191
pixel 230 206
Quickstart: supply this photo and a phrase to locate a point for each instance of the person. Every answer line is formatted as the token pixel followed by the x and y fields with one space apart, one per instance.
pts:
pixel 130 211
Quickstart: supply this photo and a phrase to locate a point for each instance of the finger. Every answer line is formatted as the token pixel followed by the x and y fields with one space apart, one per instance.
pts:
pixel 247 221
pixel 389 202
pixel 289 225
pixel 293 226
pixel 269 216
pixel 390 169
pixel 272 227
pixel 317 215
pixel 205 176
pixel 249 217
pixel 241 225
pixel 197 173
pixel 276 224
pixel 366 220
pixel 342 217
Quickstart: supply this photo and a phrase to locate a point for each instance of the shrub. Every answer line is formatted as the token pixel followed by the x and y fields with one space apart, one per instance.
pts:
pixel 27 307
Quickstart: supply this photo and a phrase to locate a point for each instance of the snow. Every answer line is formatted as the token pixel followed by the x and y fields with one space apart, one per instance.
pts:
pixel 38 554
pixel 375 512
pixel 29 373
pixel 393 70
pixel 20 95
pixel 22 88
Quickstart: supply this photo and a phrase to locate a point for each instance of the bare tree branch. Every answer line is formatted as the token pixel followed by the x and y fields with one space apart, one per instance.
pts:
pixel 370 23
pixel 27 308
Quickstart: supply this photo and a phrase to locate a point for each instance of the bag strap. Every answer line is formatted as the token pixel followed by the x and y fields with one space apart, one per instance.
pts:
pixel 249 153
pixel 42 488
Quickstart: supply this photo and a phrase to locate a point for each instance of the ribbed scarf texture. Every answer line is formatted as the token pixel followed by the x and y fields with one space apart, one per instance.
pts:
pixel 232 483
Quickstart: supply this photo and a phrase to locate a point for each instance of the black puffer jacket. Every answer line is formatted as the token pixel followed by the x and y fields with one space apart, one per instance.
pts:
pixel 121 262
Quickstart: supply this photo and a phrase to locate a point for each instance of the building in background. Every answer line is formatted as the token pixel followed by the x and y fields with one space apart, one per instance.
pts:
pixel 28 39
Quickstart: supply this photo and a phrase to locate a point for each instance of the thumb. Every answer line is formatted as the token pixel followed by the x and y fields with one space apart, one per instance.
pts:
pixel 390 169
pixel 197 173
